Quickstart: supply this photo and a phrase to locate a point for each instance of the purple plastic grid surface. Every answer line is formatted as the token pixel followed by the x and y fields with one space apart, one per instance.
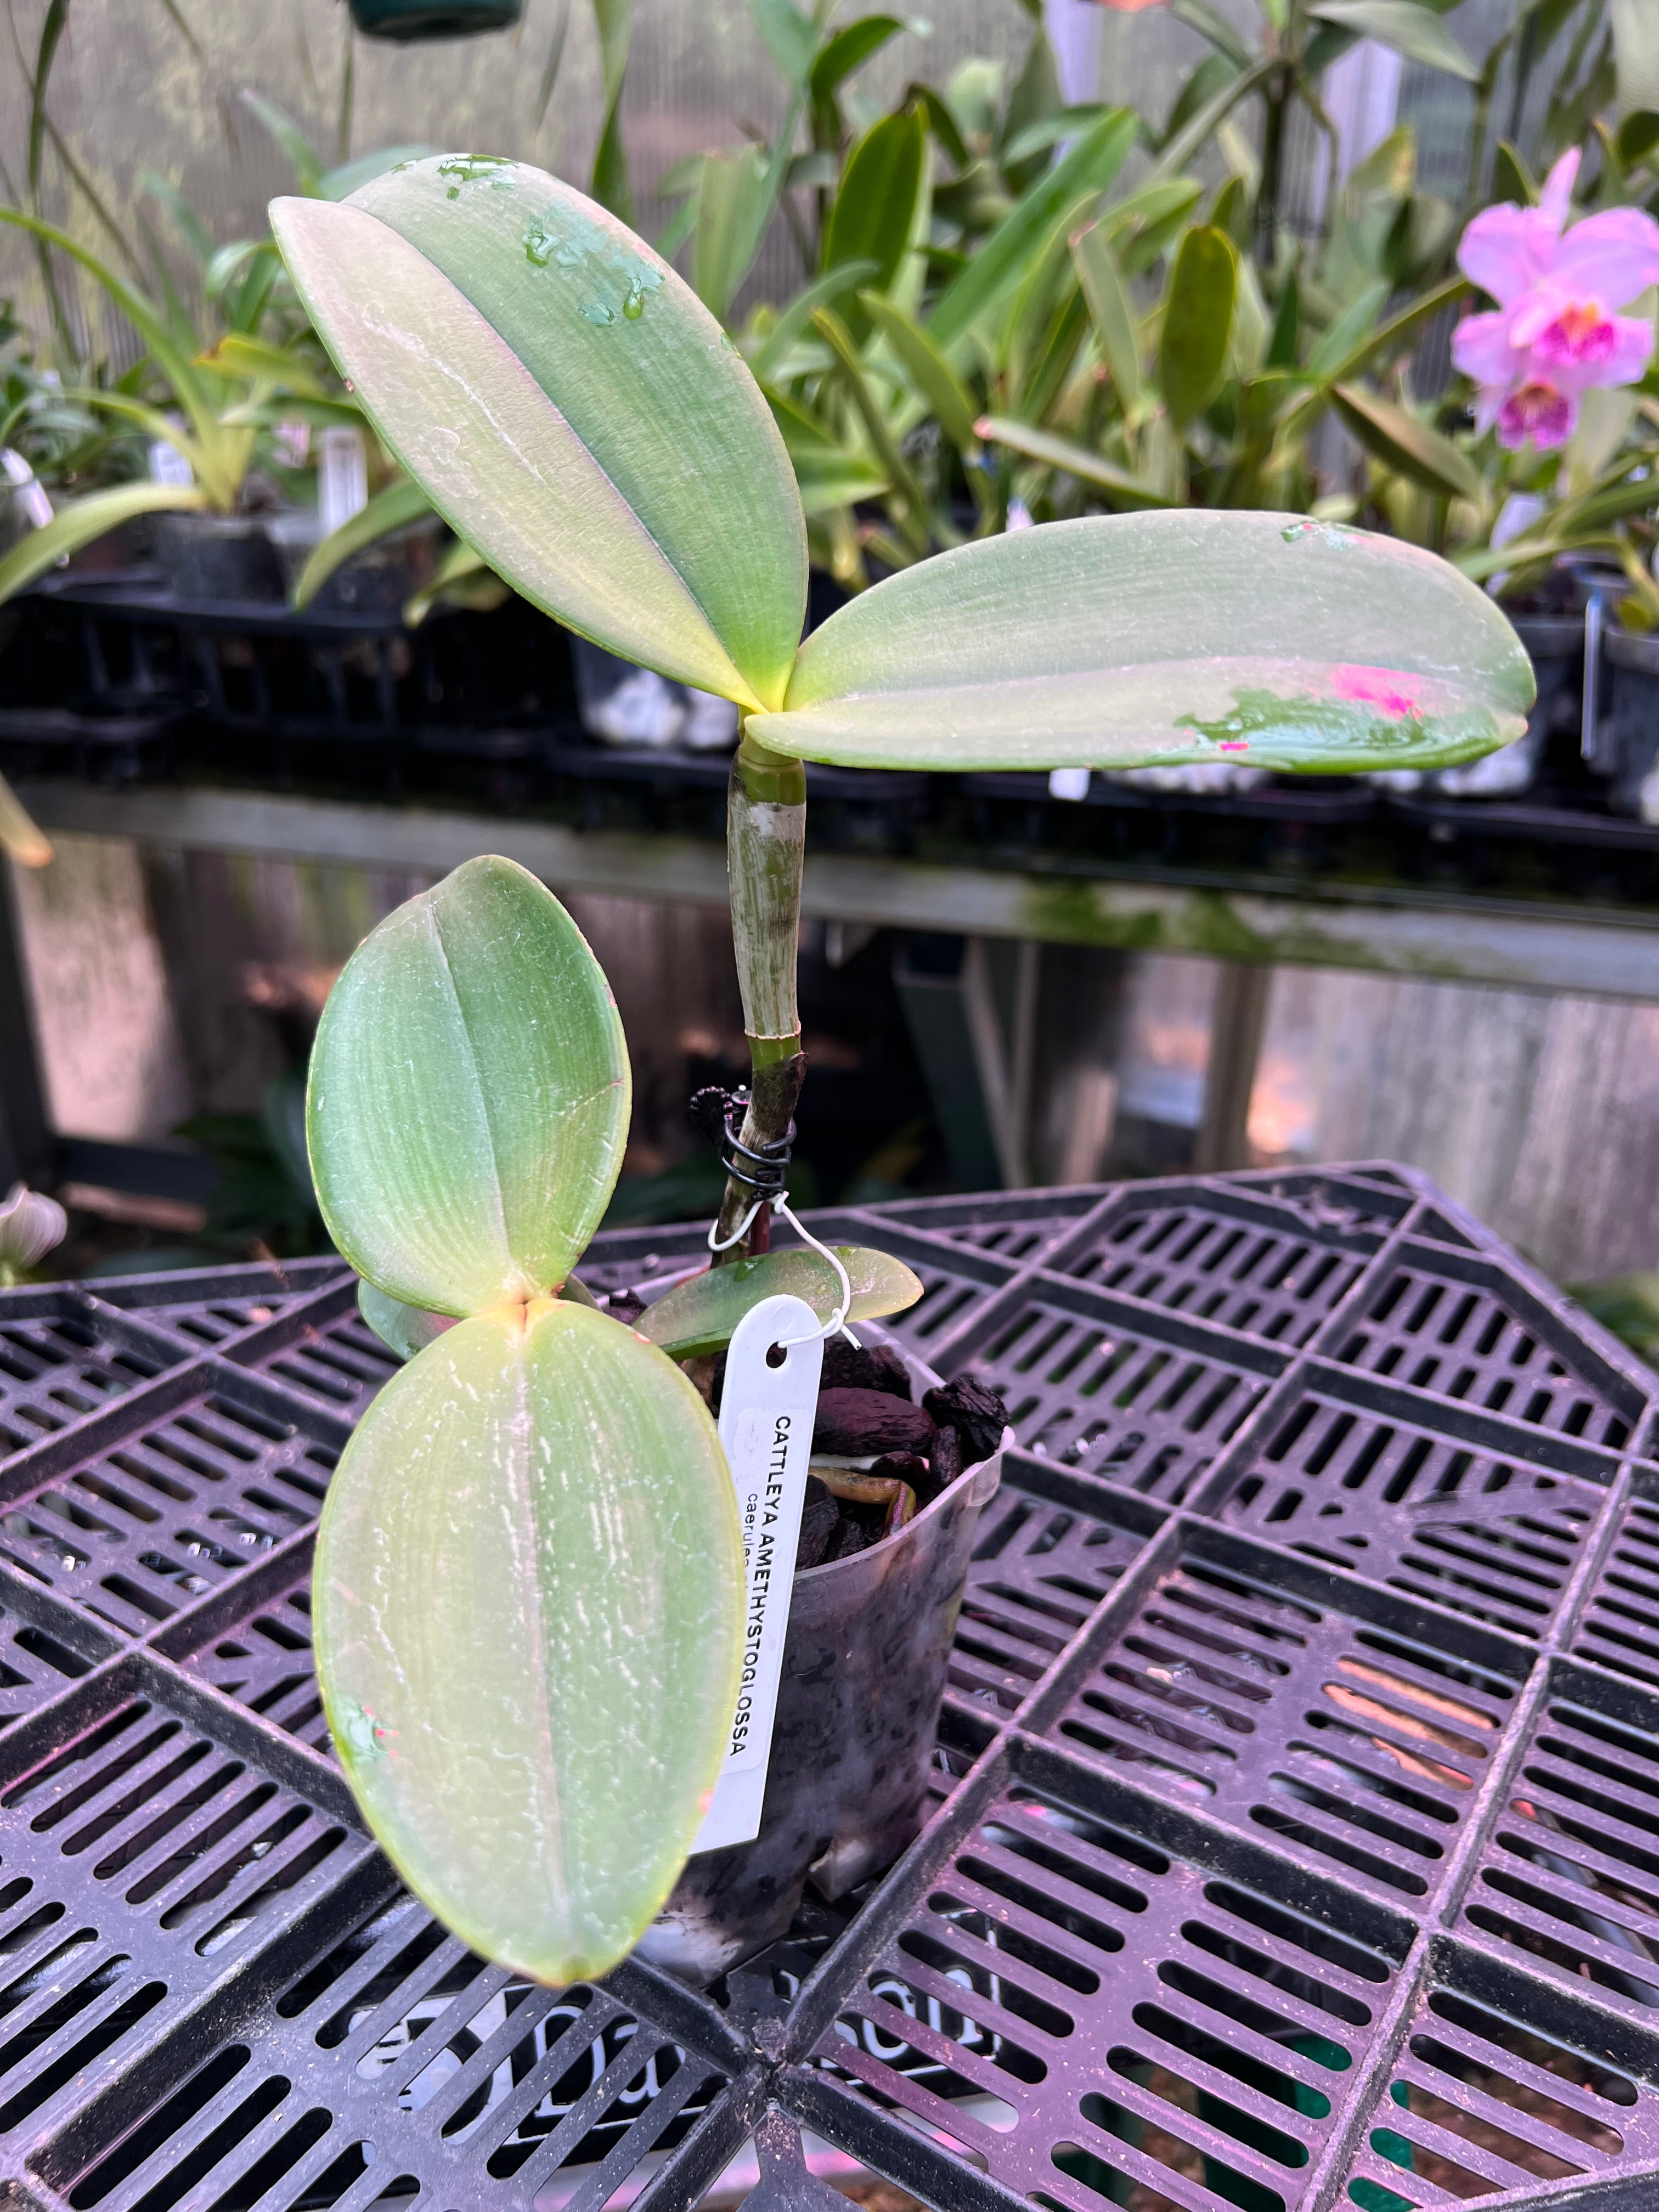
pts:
pixel 1296 1842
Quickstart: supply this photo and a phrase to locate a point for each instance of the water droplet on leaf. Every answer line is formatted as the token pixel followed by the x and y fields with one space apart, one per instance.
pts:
pixel 595 310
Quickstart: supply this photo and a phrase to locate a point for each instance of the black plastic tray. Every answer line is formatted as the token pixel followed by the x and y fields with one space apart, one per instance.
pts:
pixel 1297 1838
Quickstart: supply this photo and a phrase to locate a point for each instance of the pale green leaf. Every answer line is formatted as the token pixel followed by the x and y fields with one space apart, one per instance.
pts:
pixel 527 1608
pixel 394 508
pixel 570 409
pixel 1414 31
pixel 469 1095
pixel 405 1329
pixel 82 523
pixel 1159 640
pixel 699 1315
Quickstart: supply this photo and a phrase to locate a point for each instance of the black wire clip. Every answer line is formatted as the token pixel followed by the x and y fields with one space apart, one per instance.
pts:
pixel 763 1169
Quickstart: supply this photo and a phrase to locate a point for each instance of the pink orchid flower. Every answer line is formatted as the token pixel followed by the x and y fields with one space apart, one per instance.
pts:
pixel 1555 333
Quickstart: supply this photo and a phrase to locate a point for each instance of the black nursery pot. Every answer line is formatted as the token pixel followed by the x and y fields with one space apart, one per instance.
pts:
pixel 1632 739
pixel 217 556
pixel 852 1742
pixel 407 20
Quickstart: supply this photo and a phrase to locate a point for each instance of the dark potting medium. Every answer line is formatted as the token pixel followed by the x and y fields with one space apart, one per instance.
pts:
pixel 1295 1829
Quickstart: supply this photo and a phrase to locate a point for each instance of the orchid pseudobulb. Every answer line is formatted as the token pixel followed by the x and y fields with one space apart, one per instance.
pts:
pixel 1555 333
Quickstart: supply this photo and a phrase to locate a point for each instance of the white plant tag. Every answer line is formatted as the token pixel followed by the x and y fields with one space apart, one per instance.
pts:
pixel 766 1427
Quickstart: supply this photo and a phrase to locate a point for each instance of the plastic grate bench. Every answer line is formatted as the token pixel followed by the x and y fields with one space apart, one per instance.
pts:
pixel 1295 1836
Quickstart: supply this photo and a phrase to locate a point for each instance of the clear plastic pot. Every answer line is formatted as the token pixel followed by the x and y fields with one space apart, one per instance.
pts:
pixel 852 1742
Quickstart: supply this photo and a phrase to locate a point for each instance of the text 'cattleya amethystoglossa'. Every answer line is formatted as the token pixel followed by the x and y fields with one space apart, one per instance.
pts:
pixel 1555 333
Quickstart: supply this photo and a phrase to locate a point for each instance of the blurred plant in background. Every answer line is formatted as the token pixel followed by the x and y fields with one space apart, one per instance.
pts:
pixel 1011 307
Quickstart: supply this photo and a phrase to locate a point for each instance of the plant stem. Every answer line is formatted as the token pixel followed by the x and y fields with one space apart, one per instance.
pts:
pixel 765 842
pixel 1272 164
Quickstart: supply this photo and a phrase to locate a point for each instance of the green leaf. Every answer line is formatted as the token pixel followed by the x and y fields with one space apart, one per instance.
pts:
pixel 1048 130
pixel 941 123
pixel 788 37
pixel 1213 74
pixel 1007 254
pixel 946 394
pixel 469 1095
pixel 528 1606
pixel 351 176
pixel 304 160
pixel 151 325
pixel 1200 129
pixel 570 410
pixel 795 318
pixel 1058 453
pixel 1210 23
pixel 1636 50
pixel 1113 317
pixel 1414 31
pixel 461 579
pixel 1403 443
pixel 876 206
pixel 1198 323
pixel 838 479
pixel 82 523
pixel 699 1315
pixel 849 48
pixel 405 1329
pixel 394 508
pixel 19 834
pixel 1511 179
pixel 261 362
pixel 1638 135
pixel 1288 324
pixel 1339 345
pixel 1155 640
pixel 731 208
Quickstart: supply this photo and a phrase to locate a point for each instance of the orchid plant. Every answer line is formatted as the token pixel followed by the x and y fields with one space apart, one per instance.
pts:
pixel 528 1580
pixel 1554 334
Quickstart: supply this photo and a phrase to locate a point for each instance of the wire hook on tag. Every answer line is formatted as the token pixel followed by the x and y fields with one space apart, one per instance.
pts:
pixel 836 1324
pixel 779 1201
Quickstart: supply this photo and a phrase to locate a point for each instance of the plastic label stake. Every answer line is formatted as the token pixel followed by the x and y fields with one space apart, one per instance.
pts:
pixel 767 1413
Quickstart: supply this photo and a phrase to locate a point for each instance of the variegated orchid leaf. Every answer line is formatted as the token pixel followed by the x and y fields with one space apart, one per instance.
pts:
pixel 469 1095
pixel 528 1630
pixel 1162 639
pixel 570 408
